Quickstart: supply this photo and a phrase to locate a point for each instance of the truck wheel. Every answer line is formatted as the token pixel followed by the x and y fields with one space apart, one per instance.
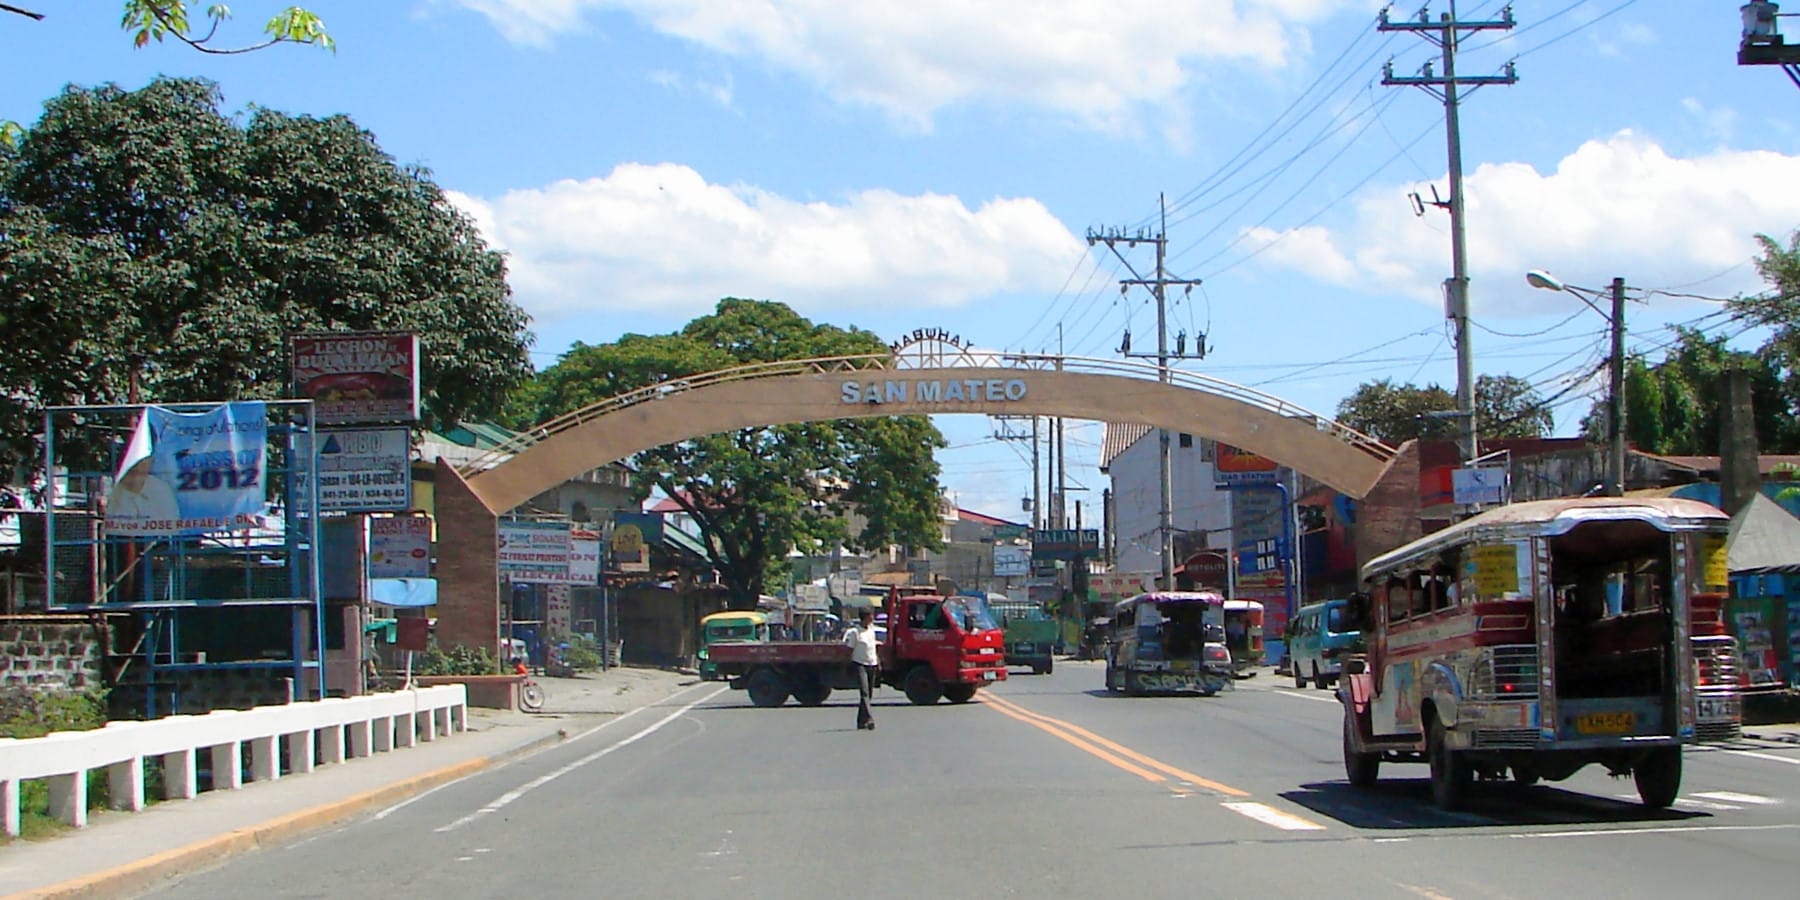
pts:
pixel 959 693
pixel 1361 768
pixel 1658 777
pixel 811 692
pixel 1299 677
pixel 1319 681
pixel 921 686
pixel 1049 664
pixel 1450 773
pixel 767 688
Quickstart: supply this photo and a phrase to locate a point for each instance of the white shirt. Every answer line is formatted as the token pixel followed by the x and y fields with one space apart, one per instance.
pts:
pixel 862 645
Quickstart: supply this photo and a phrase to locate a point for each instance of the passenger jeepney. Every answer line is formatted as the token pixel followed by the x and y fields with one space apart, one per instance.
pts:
pixel 1540 637
pixel 731 626
pixel 1168 642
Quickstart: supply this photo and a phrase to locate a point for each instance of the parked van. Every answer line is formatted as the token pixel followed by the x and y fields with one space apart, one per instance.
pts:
pixel 1319 635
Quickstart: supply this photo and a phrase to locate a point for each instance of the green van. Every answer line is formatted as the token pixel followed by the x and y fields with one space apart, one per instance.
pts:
pixel 1319 636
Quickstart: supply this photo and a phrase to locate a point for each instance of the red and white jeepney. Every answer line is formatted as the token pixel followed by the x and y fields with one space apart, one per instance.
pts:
pixel 1544 636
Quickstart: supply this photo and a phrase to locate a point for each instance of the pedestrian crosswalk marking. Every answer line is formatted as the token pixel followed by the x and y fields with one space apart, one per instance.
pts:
pixel 1734 797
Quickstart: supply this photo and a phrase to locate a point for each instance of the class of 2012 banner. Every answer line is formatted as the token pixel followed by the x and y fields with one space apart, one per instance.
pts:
pixel 192 473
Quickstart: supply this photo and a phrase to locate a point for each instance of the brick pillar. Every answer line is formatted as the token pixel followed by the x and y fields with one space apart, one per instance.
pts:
pixel 1389 516
pixel 468 560
pixel 1740 472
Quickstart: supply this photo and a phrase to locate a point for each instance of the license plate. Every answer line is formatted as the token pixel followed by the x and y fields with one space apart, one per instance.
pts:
pixel 987 676
pixel 1606 723
pixel 1714 708
pixel 1182 665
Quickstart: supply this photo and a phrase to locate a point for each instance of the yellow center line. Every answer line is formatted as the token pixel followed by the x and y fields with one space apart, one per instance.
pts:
pixel 1143 773
pixel 1016 711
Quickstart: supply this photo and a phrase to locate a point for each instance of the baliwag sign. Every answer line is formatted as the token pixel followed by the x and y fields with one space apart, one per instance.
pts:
pixel 948 390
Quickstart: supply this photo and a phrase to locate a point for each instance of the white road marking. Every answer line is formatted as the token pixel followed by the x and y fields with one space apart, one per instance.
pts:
pixel 1691 803
pixel 1734 797
pixel 1323 698
pixel 507 798
pixel 1790 760
pixel 1672 829
pixel 612 721
pixel 1269 815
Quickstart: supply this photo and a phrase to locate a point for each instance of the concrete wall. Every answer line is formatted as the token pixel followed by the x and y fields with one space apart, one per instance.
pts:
pixel 1137 499
pixel 48 653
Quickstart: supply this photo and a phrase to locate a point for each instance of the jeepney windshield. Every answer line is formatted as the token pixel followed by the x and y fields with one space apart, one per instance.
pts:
pixel 733 631
pixel 971 614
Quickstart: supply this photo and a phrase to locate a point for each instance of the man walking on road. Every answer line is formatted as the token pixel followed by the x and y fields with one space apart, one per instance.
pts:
pixel 861 638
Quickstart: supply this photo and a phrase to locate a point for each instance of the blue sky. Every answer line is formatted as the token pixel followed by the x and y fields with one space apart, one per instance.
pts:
pixel 938 163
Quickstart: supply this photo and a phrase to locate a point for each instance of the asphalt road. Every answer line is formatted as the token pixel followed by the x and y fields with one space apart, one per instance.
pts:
pixel 1046 786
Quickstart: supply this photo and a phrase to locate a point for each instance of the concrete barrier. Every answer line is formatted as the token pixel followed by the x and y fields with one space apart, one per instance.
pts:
pixel 305 734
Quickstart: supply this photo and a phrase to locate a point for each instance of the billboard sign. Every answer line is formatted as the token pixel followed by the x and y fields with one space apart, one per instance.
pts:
pixel 1011 561
pixel 1235 466
pixel 1478 485
pixel 192 473
pixel 365 470
pixel 400 547
pixel 1065 543
pixel 358 377
pixel 535 552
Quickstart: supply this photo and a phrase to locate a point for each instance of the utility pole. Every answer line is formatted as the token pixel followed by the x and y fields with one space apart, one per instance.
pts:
pixel 1446 32
pixel 1007 434
pixel 1165 524
pixel 1615 448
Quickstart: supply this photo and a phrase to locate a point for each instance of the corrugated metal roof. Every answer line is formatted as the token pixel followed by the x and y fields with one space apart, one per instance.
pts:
pixel 1764 538
pixel 1119 436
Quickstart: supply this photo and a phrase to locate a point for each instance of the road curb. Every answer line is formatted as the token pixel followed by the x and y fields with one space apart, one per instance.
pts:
pixel 144 874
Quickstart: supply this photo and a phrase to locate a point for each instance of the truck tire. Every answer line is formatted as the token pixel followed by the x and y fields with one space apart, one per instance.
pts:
pixel 1658 777
pixel 811 692
pixel 921 686
pixel 1450 772
pixel 767 688
pixel 959 693
pixel 1361 768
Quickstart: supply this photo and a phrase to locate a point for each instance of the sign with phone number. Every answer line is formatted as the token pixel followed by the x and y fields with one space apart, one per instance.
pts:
pixel 365 470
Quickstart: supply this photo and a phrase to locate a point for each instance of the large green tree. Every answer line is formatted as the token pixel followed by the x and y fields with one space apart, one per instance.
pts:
pixel 154 249
pixel 759 492
pixel 1506 407
pixel 1673 406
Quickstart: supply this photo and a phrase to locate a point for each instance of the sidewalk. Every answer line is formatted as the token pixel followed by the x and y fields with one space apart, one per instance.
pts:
pixel 122 853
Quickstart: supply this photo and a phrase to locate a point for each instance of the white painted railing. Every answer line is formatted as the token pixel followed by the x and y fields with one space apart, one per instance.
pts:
pixel 316 731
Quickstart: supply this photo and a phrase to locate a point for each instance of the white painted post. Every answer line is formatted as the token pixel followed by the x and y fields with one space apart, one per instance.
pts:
pixel 9 806
pixel 181 779
pixel 384 733
pixel 300 752
pixel 125 784
pixel 362 738
pixel 428 727
pixel 68 798
pixel 459 717
pixel 228 766
pixel 331 744
pixel 264 761
pixel 406 730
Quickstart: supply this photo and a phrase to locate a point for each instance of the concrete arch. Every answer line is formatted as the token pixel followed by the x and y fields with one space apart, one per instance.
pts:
pixel 864 387
pixel 472 497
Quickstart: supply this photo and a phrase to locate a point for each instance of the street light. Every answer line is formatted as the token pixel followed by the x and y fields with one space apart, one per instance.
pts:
pixel 1615 419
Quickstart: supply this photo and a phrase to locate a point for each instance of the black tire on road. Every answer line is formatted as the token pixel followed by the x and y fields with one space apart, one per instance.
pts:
pixel 811 692
pixel 767 688
pixel 1658 777
pixel 1363 769
pixel 1451 774
pixel 1524 776
pixel 1049 664
pixel 1299 676
pixel 1320 680
pixel 921 686
pixel 1112 684
pixel 959 693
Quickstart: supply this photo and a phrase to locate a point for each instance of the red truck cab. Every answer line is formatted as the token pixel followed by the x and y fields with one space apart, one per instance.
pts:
pixel 936 647
pixel 941 646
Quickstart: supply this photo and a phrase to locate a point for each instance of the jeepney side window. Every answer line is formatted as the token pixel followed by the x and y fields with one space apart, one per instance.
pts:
pixel 1444 589
pixel 1418 586
pixel 1399 600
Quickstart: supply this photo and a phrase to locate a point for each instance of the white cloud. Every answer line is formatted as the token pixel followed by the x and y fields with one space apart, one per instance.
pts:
pixel 1106 65
pixel 1616 207
pixel 660 237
